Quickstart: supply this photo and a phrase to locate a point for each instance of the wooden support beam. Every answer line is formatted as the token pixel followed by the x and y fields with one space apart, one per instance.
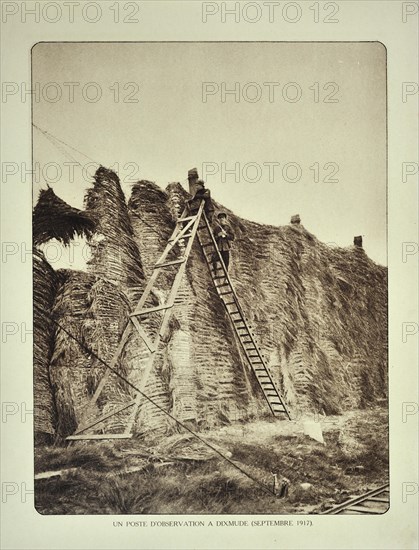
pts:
pixel 150 310
pixel 165 320
pixel 143 334
pixel 173 262
pixel 100 419
pixel 180 220
pixel 99 436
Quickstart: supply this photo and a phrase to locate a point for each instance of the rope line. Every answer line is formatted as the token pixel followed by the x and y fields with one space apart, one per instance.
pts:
pixel 114 371
pixel 52 138
pixel 50 135
pixel 59 147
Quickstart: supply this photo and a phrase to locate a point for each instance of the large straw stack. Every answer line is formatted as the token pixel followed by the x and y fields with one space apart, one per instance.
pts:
pixel 45 283
pixel 55 219
pixel 320 314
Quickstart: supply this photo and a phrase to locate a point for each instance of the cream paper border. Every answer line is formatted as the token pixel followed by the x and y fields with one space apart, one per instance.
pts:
pixel 22 526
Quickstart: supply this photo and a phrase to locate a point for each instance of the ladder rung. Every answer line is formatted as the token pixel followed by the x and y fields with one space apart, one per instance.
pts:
pixel 173 262
pixel 180 220
pixel 224 293
pixel 186 236
pixel 177 238
pixel 207 244
pixel 150 310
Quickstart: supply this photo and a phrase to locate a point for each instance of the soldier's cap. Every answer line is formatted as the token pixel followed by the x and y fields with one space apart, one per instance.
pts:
pixel 221 215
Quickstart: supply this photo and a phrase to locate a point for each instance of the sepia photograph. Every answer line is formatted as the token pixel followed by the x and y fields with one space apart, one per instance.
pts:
pixel 210 296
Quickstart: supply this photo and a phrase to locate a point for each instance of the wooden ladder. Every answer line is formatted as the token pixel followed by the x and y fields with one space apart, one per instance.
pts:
pixel 241 327
pixel 187 228
pixel 183 235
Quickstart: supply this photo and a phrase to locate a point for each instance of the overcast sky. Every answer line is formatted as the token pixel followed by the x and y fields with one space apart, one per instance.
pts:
pixel 323 114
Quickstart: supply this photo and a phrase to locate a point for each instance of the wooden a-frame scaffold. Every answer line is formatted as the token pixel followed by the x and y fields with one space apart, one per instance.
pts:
pixel 188 226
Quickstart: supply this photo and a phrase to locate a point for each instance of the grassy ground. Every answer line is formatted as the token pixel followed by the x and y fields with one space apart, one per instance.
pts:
pixel 127 478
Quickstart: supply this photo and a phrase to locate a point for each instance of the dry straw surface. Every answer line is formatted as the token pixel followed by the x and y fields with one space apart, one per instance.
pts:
pixel 320 315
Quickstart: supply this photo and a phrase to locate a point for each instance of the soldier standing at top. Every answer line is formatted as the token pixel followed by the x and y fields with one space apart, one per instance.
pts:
pixel 199 193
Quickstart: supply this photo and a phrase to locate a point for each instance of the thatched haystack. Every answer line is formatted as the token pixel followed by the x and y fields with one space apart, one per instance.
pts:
pixel 115 254
pixel 151 224
pixel 198 375
pixel 311 321
pixel 55 219
pixel 45 282
pixel 52 219
pixel 91 309
pixel 320 314
pixel 94 313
